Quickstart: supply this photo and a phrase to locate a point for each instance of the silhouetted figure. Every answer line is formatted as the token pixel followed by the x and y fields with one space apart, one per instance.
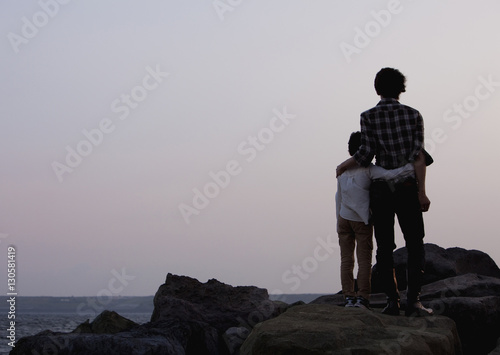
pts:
pixel 394 134
pixel 354 228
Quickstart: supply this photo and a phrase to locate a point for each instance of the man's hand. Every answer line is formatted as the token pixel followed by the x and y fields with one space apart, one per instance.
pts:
pixel 425 203
pixel 340 170
pixel 346 165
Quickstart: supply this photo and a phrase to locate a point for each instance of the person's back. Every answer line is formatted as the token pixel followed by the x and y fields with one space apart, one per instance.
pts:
pixel 394 134
pixel 391 131
pixel 355 230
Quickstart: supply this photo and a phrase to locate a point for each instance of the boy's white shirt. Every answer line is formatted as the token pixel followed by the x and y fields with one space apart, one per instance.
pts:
pixel 353 189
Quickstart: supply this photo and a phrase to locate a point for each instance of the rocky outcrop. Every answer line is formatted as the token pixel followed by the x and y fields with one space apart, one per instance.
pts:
pixel 471 300
pixel 441 264
pixel 108 322
pixel 496 351
pixel 142 340
pixel 191 317
pixel 461 284
pixel 214 303
pixel 326 329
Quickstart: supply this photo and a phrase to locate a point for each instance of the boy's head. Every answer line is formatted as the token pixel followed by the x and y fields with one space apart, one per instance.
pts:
pixel 390 83
pixel 354 142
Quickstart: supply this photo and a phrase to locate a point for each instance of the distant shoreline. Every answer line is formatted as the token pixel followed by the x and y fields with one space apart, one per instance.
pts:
pixel 84 305
pixel 80 305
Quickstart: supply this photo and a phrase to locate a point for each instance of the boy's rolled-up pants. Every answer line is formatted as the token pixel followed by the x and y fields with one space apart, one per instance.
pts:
pixel 355 236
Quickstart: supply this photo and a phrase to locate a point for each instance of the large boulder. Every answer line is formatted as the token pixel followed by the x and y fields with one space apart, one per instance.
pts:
pixel 142 340
pixel 189 317
pixel 471 300
pixel 326 329
pixel 441 264
pixel 215 303
pixel 496 351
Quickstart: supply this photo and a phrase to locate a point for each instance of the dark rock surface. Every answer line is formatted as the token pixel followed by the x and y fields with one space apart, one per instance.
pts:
pixel 186 298
pixel 441 264
pixel 496 351
pixel 108 322
pixel 326 329
pixel 137 341
pixel 191 317
pixel 471 300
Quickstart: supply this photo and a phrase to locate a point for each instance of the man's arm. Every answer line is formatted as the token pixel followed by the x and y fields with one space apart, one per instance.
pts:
pixel 346 165
pixel 420 170
pixel 338 202
pixel 366 150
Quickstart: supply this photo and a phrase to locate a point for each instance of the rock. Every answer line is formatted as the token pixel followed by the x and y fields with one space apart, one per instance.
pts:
pixel 377 300
pixel 441 264
pixel 473 302
pixel 325 329
pixel 215 303
pixel 477 321
pixel 136 341
pixel 108 322
pixel 234 338
pixel 189 317
pixel 496 351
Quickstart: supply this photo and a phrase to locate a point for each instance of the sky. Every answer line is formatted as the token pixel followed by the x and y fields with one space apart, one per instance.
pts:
pixel 200 138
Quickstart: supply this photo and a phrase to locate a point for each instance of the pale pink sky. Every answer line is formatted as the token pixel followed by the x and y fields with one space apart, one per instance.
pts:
pixel 118 116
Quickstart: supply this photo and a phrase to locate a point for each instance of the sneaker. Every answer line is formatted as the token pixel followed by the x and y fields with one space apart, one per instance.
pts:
pixel 362 302
pixel 392 308
pixel 416 309
pixel 349 301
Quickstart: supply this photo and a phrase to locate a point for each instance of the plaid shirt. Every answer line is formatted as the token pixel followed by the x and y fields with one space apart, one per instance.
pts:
pixel 392 132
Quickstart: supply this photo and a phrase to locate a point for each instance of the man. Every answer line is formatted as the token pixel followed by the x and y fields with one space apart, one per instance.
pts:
pixel 394 134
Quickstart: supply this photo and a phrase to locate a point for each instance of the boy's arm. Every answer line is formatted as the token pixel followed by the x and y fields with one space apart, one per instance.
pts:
pixel 420 170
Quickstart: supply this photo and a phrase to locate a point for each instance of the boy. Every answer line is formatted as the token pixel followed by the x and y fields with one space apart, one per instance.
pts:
pixel 353 223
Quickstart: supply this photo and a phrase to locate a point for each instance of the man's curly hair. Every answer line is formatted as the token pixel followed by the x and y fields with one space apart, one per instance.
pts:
pixel 390 83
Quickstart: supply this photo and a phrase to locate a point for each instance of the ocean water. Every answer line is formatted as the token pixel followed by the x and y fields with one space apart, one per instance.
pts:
pixel 33 323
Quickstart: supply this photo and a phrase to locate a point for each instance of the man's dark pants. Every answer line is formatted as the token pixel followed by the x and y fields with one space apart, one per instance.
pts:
pixel 401 199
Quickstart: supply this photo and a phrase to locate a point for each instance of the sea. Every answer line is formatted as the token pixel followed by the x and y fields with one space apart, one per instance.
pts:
pixel 36 314
pixel 32 323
